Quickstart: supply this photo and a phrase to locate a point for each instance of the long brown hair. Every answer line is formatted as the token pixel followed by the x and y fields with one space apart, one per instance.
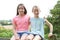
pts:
pixel 25 12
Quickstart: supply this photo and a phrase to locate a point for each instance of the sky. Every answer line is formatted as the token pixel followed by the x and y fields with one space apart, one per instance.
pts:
pixel 8 7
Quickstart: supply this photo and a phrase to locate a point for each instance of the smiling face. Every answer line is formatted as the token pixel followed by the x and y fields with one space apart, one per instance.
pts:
pixel 35 10
pixel 21 10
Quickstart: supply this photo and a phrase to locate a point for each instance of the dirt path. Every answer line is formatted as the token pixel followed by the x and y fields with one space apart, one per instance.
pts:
pixel 8 27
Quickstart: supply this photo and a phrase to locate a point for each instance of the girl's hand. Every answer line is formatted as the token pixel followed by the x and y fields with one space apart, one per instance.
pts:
pixel 50 34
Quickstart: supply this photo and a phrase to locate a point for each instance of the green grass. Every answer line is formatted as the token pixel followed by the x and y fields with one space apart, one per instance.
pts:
pixel 5 33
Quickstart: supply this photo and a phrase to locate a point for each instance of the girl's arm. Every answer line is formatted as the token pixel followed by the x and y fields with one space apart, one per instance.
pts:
pixel 14 30
pixel 29 29
pixel 50 26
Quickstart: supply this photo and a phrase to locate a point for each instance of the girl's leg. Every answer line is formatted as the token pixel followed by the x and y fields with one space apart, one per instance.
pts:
pixel 24 36
pixel 37 37
pixel 12 38
pixel 30 37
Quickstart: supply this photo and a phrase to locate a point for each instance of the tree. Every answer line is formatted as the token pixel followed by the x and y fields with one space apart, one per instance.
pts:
pixel 55 19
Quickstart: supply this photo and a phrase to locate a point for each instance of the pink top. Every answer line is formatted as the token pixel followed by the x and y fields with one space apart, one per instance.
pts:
pixel 22 23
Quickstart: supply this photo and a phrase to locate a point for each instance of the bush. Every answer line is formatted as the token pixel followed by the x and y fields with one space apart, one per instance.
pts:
pixel 5 33
pixel 55 19
pixel 46 31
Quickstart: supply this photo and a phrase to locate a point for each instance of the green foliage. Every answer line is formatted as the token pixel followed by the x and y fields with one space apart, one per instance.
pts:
pixel 55 19
pixel 46 36
pixel 5 22
pixel 46 31
pixel 5 33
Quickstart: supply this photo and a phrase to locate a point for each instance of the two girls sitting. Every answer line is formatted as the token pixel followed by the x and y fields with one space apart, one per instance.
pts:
pixel 22 21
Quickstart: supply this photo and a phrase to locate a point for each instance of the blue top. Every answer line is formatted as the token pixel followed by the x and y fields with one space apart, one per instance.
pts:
pixel 37 26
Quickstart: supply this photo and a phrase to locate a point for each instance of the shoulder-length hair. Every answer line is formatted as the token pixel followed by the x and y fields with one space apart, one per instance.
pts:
pixel 25 12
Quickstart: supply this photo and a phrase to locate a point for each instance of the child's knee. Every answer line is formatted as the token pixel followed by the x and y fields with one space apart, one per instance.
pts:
pixel 24 37
pixel 31 36
pixel 12 38
pixel 37 37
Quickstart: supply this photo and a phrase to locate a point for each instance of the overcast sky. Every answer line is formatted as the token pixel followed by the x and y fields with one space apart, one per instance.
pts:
pixel 8 7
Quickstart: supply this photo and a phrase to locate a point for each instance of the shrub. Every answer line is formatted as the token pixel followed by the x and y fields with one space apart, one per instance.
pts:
pixel 5 33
